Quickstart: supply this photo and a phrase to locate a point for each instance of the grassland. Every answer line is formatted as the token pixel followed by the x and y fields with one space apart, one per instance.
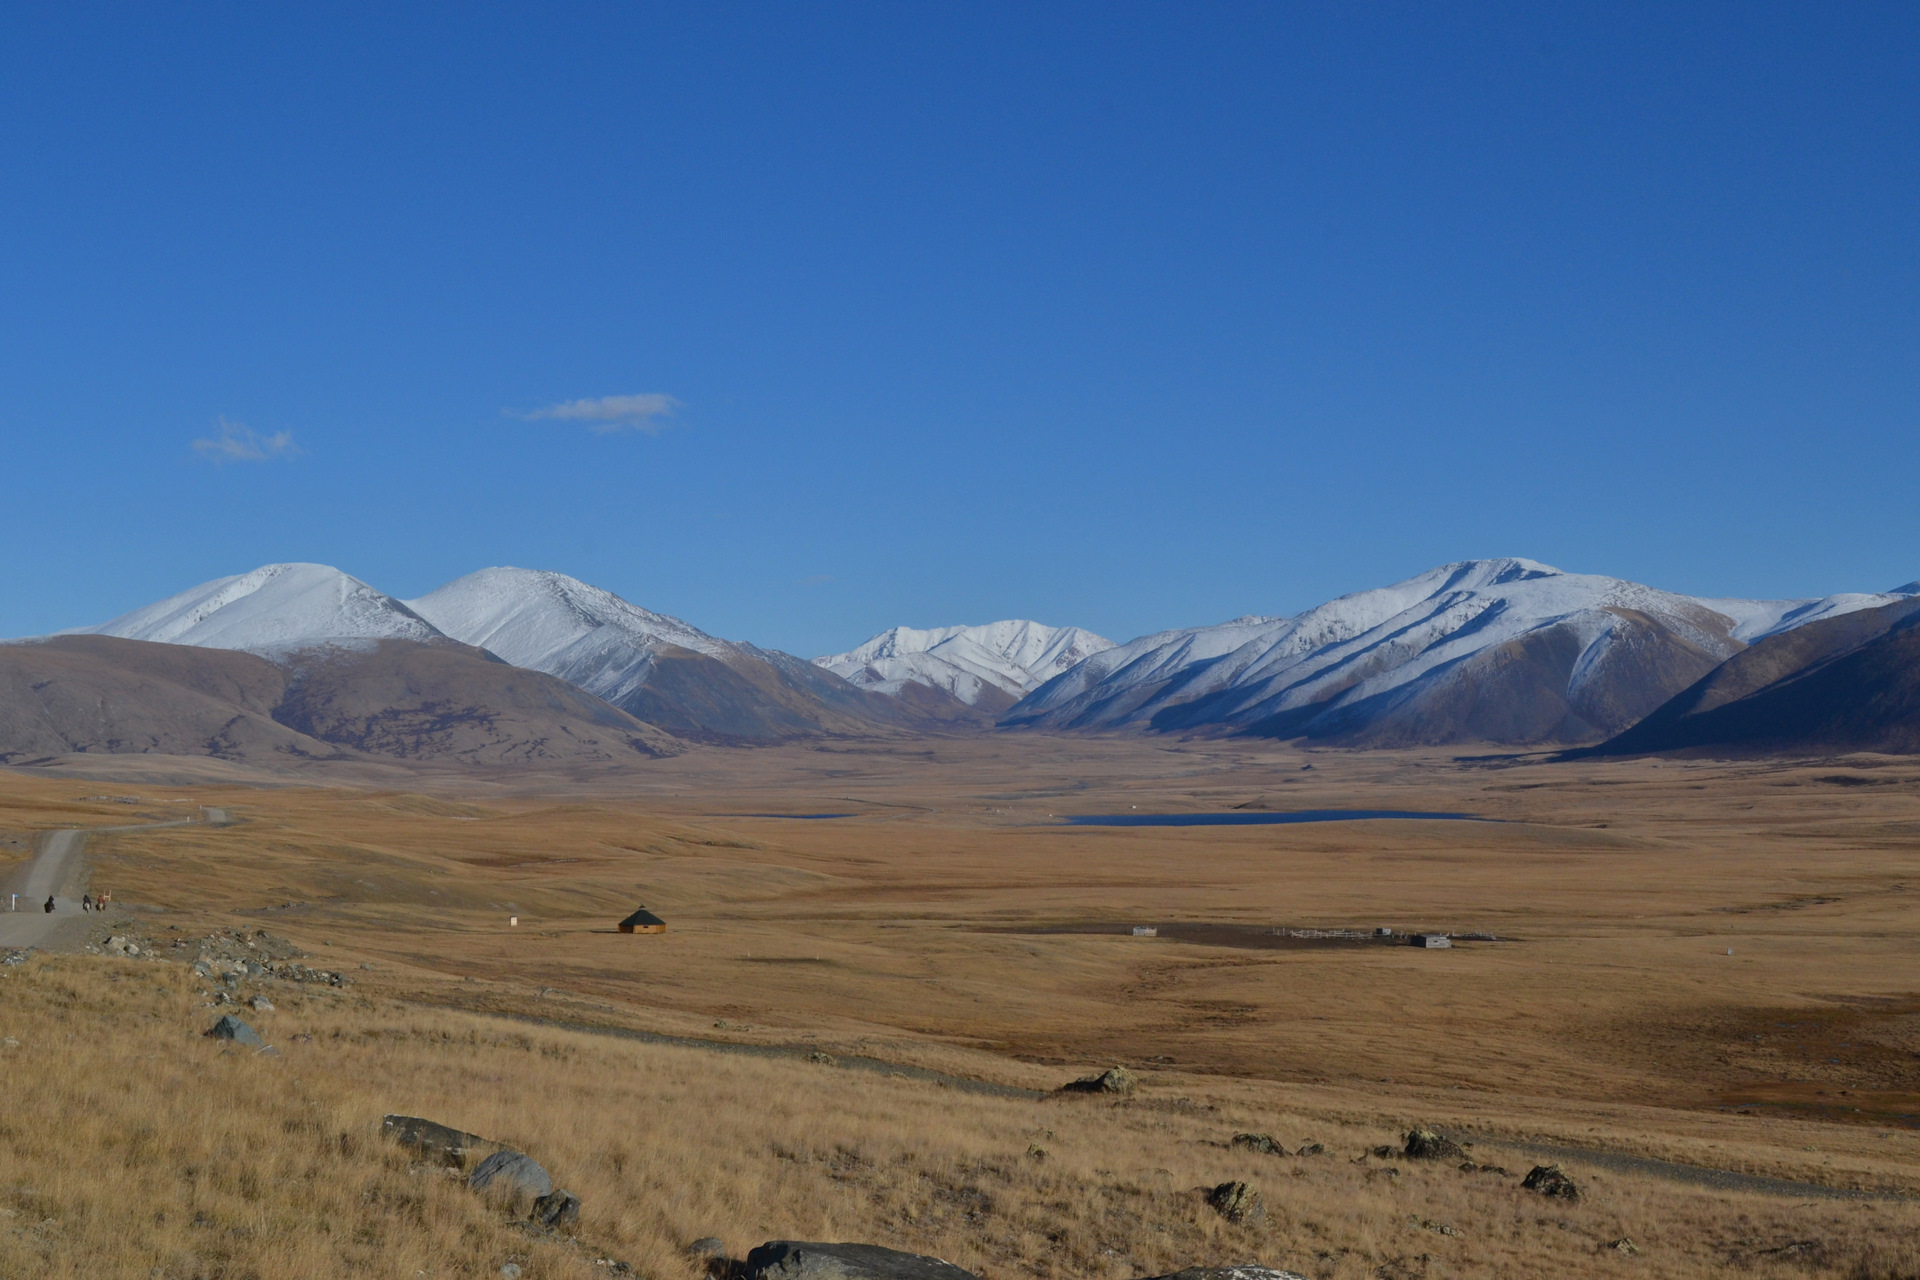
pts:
pixel 920 931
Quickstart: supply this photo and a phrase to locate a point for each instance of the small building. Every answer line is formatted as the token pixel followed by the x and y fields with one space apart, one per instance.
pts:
pixel 1432 941
pixel 643 921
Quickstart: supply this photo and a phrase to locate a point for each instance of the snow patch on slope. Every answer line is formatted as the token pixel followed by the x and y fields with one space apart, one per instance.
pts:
pixel 1012 657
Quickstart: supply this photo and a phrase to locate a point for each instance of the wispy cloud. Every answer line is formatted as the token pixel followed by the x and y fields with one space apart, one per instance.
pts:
pixel 605 415
pixel 238 442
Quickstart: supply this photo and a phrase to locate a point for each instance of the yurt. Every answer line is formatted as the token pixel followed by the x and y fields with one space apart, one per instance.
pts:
pixel 643 921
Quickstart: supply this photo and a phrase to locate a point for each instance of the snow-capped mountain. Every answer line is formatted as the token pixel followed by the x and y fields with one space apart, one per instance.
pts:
pixel 1483 650
pixel 653 666
pixel 998 662
pixel 276 607
pixel 550 622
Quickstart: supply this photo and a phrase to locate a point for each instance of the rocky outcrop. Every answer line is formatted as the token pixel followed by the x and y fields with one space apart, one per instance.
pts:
pixel 1259 1142
pixel 1236 1202
pixel 1551 1180
pixel 231 1028
pixel 1430 1144
pixel 1116 1080
pixel 451 1147
pixel 797 1260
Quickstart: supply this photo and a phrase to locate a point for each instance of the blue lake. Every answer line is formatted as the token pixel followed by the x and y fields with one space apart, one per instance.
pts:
pixel 1241 818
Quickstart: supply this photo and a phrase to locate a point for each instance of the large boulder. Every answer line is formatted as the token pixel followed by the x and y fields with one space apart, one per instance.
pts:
pixel 1551 1180
pixel 798 1260
pixel 231 1028
pixel 1236 1202
pixel 513 1175
pixel 1116 1080
pixel 449 1146
pixel 1430 1144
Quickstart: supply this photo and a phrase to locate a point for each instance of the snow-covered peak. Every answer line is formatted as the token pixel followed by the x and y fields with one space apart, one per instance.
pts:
pixel 528 615
pixel 276 607
pixel 1012 657
pixel 1364 654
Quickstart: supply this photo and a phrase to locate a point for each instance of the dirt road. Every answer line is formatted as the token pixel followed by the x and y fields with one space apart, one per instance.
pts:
pixel 55 864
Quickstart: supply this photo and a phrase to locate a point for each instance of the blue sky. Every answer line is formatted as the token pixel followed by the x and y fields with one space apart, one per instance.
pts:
pixel 1127 316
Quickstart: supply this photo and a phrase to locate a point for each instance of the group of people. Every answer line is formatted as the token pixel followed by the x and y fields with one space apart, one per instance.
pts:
pixel 87 902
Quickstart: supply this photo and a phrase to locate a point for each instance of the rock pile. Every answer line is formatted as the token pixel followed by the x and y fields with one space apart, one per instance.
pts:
pixel 511 1177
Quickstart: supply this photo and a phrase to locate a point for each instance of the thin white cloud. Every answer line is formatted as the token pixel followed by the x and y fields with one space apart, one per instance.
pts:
pixel 238 442
pixel 605 415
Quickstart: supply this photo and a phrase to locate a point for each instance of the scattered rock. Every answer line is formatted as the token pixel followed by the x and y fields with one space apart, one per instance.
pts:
pixel 260 1004
pixel 1551 1180
pixel 1429 1144
pixel 1036 1152
pixel 556 1209
pixel 1383 1153
pixel 1440 1228
pixel 707 1247
pixel 511 1271
pixel 824 1059
pixel 1623 1245
pixel 512 1174
pixel 1468 1166
pixel 231 1028
pixel 797 1260
pixel 449 1146
pixel 9 1043
pixel 1236 1202
pixel 1259 1142
pixel 1232 1273
pixel 1312 1149
pixel 1116 1080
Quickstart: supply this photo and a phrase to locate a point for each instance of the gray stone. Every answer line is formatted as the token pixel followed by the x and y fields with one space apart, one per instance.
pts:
pixel 797 1260
pixel 231 1028
pixel 1429 1144
pixel 707 1247
pixel 260 1004
pixel 556 1209
pixel 1551 1180
pixel 450 1146
pixel 512 1174
pixel 510 1271
pixel 1259 1142
pixel 1117 1080
pixel 1231 1273
pixel 1236 1202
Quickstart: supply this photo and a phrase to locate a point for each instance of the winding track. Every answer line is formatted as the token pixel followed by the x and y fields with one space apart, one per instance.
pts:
pixel 55 863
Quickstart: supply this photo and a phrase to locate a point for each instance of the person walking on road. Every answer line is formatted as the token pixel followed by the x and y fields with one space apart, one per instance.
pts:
pixel 49 907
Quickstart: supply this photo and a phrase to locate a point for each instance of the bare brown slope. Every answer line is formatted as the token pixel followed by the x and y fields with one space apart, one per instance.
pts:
pixel 450 701
pixel 81 694
pixel 101 694
pixel 1846 683
pixel 764 696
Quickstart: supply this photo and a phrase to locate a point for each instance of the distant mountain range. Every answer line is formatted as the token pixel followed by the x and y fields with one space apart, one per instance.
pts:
pixel 987 667
pixel 512 665
pixel 1499 651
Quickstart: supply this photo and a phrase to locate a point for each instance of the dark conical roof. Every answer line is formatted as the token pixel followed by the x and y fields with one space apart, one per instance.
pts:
pixel 642 917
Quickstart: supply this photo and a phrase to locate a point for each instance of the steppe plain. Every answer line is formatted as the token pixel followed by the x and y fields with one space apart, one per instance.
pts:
pixel 1704 962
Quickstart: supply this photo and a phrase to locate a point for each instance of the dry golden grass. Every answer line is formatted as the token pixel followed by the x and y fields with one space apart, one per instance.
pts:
pixel 1617 1022
pixel 131 1146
